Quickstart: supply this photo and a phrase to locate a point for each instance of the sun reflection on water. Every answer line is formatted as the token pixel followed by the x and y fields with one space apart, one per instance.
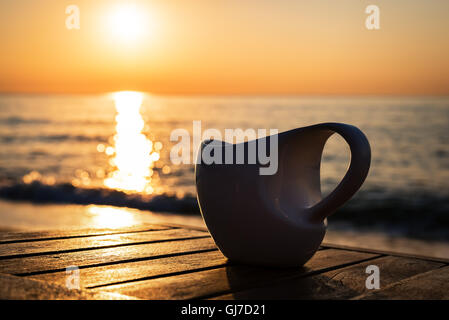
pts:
pixel 108 217
pixel 132 155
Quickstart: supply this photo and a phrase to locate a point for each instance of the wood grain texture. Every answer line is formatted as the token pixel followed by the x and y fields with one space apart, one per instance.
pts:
pixel 172 262
pixel 431 285
pixel 98 257
pixel 386 252
pixel 9 237
pixel 17 288
pixel 23 249
pixel 342 283
pixel 231 278
pixel 132 271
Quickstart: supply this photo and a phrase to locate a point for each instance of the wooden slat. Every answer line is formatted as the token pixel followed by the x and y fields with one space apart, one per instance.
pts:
pixel 22 249
pixel 10 237
pixel 17 288
pixel 201 227
pixel 59 262
pixel 431 285
pixel 386 252
pixel 341 283
pixel 208 283
pixel 132 271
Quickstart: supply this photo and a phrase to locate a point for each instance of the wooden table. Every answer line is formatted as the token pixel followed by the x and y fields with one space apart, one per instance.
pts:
pixel 175 262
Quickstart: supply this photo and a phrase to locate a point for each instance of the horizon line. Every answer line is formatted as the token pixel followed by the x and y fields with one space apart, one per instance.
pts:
pixel 249 94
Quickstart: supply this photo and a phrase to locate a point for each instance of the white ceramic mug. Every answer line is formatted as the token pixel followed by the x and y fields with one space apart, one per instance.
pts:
pixel 280 219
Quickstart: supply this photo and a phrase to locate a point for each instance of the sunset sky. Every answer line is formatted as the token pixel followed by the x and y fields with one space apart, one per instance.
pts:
pixel 226 47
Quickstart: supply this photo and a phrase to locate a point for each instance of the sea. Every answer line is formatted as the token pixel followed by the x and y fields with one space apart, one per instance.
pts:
pixel 114 150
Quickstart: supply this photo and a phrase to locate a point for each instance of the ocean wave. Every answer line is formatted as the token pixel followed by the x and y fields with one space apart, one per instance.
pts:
pixel 418 215
pixel 17 120
pixel 20 120
pixel 51 138
pixel 415 214
pixel 66 193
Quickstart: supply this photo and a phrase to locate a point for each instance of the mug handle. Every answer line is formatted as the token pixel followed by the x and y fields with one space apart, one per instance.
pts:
pixel 354 177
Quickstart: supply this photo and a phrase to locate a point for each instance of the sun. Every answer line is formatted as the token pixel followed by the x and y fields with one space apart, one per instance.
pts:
pixel 128 22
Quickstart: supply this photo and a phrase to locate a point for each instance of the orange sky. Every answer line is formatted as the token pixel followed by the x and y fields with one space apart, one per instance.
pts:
pixel 228 47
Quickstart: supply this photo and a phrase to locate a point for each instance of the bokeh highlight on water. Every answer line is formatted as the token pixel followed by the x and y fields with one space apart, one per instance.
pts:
pixel 114 149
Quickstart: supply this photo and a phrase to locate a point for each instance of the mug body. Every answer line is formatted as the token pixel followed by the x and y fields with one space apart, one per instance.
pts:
pixel 239 208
